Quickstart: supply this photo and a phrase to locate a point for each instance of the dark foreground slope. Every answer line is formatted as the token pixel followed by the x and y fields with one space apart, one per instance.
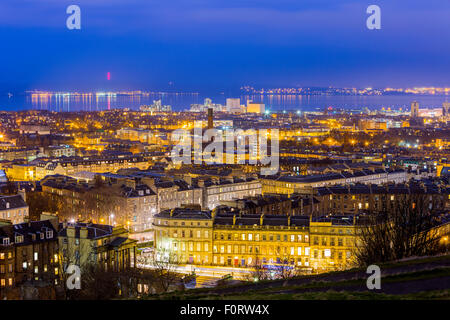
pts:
pixel 420 278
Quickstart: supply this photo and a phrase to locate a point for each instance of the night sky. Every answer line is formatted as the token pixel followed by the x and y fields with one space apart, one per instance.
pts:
pixel 201 45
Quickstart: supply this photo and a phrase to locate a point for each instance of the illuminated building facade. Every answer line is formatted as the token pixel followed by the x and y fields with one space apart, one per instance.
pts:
pixel 87 243
pixel 227 239
pixel 253 107
pixel 13 208
pixel 42 168
pixel 414 109
pixel 28 252
pixel 304 184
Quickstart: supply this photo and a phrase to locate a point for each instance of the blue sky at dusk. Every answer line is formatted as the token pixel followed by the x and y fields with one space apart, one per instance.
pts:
pixel 219 45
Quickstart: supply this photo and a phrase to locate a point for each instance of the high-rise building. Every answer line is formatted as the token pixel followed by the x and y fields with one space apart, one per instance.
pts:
pixel 414 109
pixel 234 105
pixel 446 109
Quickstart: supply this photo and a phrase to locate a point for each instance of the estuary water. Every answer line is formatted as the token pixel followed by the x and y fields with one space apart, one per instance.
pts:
pixel 182 101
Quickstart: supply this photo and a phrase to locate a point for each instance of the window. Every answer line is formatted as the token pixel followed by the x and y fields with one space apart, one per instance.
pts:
pixel 243 236
pixel 19 239
pixel 316 254
pixel 49 234
pixel 5 241
pixel 35 256
pixel 299 251
pixel 307 251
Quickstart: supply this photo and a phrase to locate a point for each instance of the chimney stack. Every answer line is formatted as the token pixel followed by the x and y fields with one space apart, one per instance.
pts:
pixel 210 118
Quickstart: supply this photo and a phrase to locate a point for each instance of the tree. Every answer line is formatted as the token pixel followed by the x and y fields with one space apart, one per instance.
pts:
pixel 259 271
pixel 10 188
pixel 96 284
pixel 39 202
pixel 165 265
pixel 285 268
pixel 403 228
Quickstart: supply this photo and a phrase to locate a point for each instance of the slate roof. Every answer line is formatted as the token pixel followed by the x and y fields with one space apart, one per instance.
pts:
pixel 95 231
pixel 15 201
pixel 27 230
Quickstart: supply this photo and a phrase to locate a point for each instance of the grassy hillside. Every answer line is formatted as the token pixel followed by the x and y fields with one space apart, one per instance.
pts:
pixel 419 278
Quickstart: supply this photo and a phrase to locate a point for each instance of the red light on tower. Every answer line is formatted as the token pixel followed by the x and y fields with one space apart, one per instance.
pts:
pixel 108 76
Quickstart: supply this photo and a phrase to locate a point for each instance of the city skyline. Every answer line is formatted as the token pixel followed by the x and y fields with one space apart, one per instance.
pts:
pixel 226 150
